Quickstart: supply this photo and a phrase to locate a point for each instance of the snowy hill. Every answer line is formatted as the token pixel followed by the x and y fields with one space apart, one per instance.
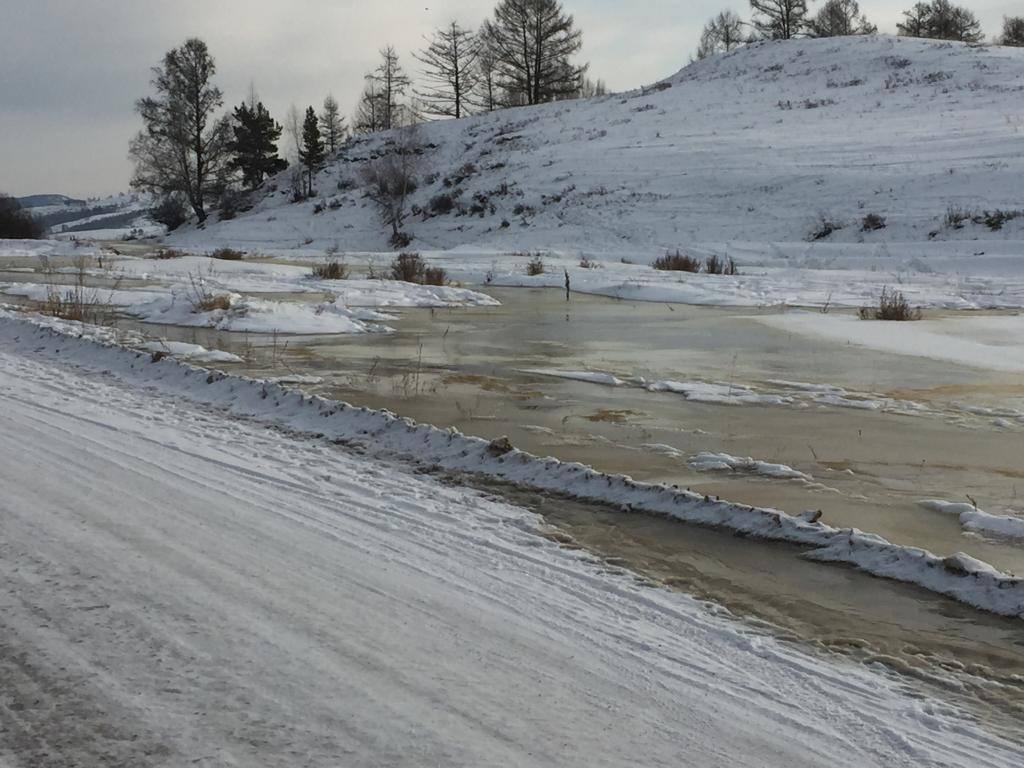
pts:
pixel 757 146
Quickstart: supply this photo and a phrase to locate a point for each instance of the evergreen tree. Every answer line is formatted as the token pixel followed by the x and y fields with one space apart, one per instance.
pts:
pixel 254 147
pixel 332 124
pixel 1013 31
pixel 779 19
pixel 450 62
pixel 183 148
pixel 533 43
pixel 841 18
pixel 311 155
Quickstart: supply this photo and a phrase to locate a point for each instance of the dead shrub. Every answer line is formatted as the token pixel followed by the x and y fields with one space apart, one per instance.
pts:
pixel 825 227
pixel 586 263
pixel 167 253
pixel 715 265
pixel 535 266
pixel 435 276
pixel 873 222
pixel 676 262
pixel 211 303
pixel 892 305
pixel 227 254
pixel 332 270
pixel 408 268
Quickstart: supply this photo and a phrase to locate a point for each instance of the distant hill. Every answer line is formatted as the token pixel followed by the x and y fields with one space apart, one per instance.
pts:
pixel 775 142
pixel 40 201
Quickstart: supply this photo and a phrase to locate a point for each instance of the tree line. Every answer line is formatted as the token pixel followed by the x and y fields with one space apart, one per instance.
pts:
pixel 193 159
pixel 787 19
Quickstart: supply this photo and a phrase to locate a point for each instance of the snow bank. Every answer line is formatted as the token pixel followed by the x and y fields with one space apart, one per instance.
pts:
pixel 993 343
pixel 973 519
pixel 723 462
pixel 193 352
pixel 387 434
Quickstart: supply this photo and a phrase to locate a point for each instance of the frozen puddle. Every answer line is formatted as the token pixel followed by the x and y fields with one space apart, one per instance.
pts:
pixel 994 343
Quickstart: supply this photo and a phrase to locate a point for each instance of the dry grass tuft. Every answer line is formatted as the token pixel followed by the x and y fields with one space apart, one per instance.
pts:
pixel 676 262
pixel 892 305
pixel 332 270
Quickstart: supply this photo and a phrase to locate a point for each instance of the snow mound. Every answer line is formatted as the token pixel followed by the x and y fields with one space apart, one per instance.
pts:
pixel 974 519
pixel 756 146
pixel 723 462
pixel 386 434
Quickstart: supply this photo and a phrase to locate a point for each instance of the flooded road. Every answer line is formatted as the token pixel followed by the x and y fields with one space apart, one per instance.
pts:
pixel 867 435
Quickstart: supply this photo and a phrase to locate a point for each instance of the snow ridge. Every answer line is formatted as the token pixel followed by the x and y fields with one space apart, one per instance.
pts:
pixel 959 576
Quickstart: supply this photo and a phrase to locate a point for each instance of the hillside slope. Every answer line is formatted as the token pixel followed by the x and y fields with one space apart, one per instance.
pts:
pixel 751 146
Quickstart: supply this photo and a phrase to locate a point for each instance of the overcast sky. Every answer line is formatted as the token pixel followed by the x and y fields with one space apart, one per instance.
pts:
pixel 71 70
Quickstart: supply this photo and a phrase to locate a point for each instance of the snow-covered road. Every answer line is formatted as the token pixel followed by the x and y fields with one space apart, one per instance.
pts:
pixel 183 588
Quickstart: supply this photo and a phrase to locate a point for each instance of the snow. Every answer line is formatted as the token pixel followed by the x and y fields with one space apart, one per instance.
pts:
pixel 387 435
pixel 195 352
pixel 992 343
pixel 592 377
pixel 198 589
pixel 722 158
pixel 974 519
pixel 723 462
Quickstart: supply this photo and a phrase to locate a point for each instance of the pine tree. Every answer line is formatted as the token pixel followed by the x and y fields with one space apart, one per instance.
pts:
pixel 779 19
pixel 312 153
pixel 533 43
pixel 450 62
pixel 840 18
pixel 332 124
pixel 254 146
pixel 183 148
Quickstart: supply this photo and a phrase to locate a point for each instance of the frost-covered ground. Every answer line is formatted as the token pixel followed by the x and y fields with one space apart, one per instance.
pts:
pixel 187 587
pixel 746 155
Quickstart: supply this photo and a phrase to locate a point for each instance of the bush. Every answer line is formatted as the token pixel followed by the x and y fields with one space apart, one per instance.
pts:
pixel 17 223
pixel 535 266
pixel 227 254
pixel 586 263
pixel 400 240
pixel 232 201
pixel 408 268
pixel 872 223
pixel 435 276
pixel 956 216
pixel 442 204
pixel 170 212
pixel 167 253
pixel 995 220
pixel 718 266
pixel 676 262
pixel 892 305
pixel 824 228
pixel 332 270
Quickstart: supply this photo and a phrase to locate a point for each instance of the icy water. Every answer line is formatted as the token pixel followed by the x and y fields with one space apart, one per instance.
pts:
pixel 899 433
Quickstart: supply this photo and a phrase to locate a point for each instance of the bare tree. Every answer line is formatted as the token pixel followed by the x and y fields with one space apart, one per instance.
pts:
pixel 941 20
pixel 293 127
pixel 591 89
pixel 369 112
pixel 488 93
pixel 840 18
pixel 390 179
pixel 183 148
pixel 779 19
pixel 1013 31
pixel 722 34
pixel 332 124
pixel 450 69
pixel 391 83
pixel 534 42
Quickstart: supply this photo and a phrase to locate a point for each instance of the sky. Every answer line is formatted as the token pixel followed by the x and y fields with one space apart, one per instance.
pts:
pixel 71 70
